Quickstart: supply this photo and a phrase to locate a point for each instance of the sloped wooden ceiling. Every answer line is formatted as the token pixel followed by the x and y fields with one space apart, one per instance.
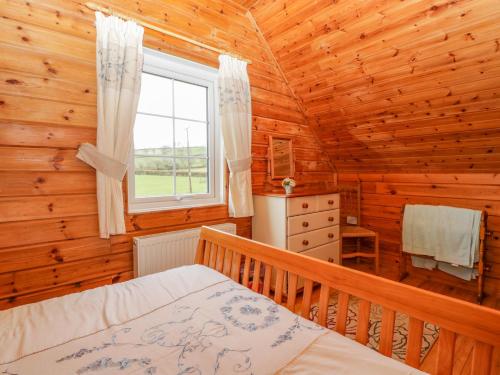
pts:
pixel 394 85
pixel 245 3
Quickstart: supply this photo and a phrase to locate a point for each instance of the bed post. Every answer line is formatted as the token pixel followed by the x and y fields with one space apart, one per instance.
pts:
pixel 402 258
pixel 198 259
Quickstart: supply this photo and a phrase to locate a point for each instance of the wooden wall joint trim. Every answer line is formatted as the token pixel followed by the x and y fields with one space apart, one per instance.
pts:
pixel 298 101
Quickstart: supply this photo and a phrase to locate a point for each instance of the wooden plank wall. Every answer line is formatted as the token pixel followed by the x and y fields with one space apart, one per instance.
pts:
pixel 48 222
pixel 394 85
pixel 383 195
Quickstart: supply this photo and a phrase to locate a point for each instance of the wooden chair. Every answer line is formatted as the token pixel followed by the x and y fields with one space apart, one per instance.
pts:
pixel 357 231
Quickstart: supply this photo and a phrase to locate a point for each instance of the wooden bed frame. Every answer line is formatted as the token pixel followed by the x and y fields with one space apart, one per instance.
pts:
pixel 226 253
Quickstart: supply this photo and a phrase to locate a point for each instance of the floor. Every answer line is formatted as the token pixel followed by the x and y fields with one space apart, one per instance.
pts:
pixel 464 345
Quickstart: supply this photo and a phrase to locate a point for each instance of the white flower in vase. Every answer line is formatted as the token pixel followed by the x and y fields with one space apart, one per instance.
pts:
pixel 288 183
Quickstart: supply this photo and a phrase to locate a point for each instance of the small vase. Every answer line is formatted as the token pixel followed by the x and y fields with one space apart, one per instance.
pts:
pixel 288 189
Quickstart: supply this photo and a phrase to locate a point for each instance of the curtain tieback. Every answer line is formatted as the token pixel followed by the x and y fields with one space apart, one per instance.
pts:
pixel 239 165
pixel 110 167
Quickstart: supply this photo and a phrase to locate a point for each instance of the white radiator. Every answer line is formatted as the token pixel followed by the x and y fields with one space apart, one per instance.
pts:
pixel 160 252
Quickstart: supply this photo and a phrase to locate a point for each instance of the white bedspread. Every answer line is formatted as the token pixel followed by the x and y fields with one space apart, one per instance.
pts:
pixel 191 320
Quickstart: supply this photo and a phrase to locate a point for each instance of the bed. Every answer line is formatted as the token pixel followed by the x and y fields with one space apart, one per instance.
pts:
pixel 218 317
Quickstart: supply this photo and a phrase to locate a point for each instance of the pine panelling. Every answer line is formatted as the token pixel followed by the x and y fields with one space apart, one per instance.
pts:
pixel 383 195
pixel 245 3
pixel 13 109
pixel 429 35
pixel 51 89
pixel 35 159
pixel 438 190
pixel 392 84
pixel 53 253
pixel 43 65
pixel 39 279
pixel 43 207
pixel 177 217
pixel 48 211
pixel 20 183
pixel 65 289
pixel 20 233
pixel 69 137
pixel 40 38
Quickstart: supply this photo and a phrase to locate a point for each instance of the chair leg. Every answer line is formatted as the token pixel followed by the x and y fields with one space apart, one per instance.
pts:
pixel 341 250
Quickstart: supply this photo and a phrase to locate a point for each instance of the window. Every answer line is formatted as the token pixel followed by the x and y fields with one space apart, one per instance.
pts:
pixel 176 159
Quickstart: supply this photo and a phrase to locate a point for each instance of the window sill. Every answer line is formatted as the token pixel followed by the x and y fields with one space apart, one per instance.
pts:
pixel 137 209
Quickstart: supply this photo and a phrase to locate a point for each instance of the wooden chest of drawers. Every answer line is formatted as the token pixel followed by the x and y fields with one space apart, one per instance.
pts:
pixel 306 224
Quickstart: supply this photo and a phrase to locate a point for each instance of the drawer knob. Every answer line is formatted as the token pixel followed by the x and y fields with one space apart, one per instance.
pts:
pixel 331 260
pixel 305 205
pixel 330 218
pixel 305 224
pixel 330 235
pixel 331 201
pixel 305 242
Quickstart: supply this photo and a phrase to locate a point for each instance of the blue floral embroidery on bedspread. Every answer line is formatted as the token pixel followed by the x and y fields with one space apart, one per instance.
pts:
pixel 121 364
pixel 190 335
pixel 244 311
pixel 299 324
pixel 249 310
pixel 239 311
pixel 193 339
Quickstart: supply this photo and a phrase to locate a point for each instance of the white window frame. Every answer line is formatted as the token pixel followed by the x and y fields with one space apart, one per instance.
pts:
pixel 180 69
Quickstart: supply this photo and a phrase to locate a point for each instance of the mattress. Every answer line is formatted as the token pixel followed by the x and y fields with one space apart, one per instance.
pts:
pixel 189 320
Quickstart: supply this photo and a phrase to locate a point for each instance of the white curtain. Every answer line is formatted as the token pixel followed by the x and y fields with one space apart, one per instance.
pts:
pixel 236 123
pixel 119 63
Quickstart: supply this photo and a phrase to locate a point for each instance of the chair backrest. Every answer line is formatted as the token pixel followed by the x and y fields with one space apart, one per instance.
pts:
pixel 350 201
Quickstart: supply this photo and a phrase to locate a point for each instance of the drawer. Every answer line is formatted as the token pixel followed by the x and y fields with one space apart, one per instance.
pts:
pixel 328 202
pixel 329 252
pixel 301 205
pixel 308 240
pixel 308 222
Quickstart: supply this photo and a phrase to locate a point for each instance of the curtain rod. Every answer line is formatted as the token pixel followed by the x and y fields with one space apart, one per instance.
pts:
pixel 109 11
